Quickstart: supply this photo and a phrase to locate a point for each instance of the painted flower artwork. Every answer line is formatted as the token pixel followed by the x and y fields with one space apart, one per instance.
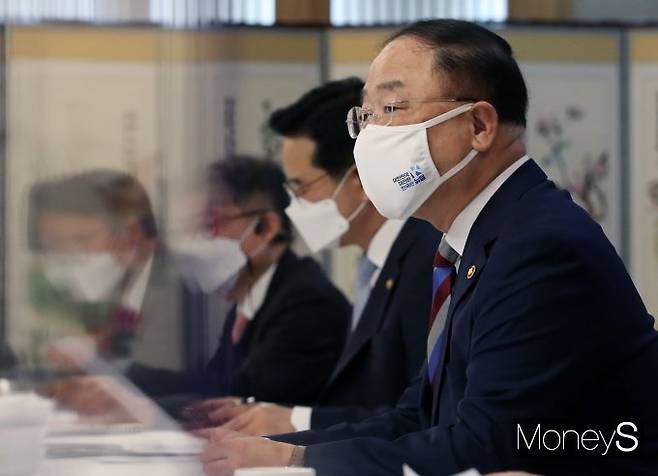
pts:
pixel 582 178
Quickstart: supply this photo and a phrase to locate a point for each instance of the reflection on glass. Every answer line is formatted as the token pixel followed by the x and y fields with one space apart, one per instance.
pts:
pixel 136 255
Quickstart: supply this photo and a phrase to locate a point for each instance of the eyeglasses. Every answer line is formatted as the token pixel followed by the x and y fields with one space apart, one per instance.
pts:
pixel 215 220
pixel 358 118
pixel 297 189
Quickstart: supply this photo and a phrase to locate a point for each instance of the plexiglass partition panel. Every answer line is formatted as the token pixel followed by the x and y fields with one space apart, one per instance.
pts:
pixel 117 291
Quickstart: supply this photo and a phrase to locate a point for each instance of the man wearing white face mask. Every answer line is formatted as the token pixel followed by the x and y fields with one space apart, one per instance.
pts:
pixel 287 323
pixel 392 292
pixel 535 321
pixel 285 334
pixel 97 241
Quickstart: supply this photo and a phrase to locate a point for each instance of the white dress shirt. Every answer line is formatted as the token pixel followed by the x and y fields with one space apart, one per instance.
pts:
pixel 458 232
pixel 256 295
pixel 378 250
pixel 133 298
pixel 381 244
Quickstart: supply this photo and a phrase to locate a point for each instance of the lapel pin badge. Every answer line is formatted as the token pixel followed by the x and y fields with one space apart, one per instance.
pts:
pixel 471 272
pixel 389 284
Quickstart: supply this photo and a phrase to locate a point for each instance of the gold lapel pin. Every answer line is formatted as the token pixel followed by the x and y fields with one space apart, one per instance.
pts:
pixel 389 284
pixel 471 272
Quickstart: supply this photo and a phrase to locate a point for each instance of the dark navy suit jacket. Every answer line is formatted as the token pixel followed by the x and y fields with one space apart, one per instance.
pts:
pixel 287 352
pixel 387 348
pixel 550 329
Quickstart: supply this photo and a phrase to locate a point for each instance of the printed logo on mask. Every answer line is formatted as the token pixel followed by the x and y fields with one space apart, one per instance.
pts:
pixel 410 179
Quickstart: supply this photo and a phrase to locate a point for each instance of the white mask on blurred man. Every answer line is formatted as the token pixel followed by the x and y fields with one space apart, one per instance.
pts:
pixel 90 277
pixel 209 262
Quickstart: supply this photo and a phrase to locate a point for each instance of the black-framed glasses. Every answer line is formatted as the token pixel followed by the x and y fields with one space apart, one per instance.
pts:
pixel 215 220
pixel 298 189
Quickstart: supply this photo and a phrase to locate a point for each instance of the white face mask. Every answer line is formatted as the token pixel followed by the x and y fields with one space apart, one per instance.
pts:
pixel 320 224
pixel 210 262
pixel 396 168
pixel 90 277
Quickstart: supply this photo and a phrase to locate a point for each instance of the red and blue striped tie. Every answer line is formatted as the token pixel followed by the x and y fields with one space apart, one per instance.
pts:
pixel 442 281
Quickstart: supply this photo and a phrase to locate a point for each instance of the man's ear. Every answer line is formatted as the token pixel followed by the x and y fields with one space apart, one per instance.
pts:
pixel 484 125
pixel 132 232
pixel 260 226
pixel 269 226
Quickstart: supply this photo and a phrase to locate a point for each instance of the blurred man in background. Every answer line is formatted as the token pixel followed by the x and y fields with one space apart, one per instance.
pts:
pixel 392 292
pixel 286 329
pixel 104 266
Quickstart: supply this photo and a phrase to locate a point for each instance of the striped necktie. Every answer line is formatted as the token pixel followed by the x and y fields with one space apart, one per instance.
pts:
pixel 442 280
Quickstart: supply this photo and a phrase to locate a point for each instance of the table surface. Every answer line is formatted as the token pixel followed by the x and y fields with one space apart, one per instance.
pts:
pixel 132 450
pixel 137 467
pixel 144 451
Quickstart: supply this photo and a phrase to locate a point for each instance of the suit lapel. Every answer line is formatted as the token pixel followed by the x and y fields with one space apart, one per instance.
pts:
pixel 426 404
pixel 379 299
pixel 485 230
pixel 471 266
pixel 373 313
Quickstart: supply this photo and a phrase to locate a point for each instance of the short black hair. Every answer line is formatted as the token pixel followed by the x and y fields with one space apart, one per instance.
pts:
pixel 246 178
pixel 477 62
pixel 320 115
pixel 110 195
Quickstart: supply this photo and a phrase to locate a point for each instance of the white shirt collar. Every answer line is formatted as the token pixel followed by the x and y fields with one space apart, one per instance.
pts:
pixel 256 295
pixel 382 241
pixel 381 244
pixel 457 234
pixel 133 298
